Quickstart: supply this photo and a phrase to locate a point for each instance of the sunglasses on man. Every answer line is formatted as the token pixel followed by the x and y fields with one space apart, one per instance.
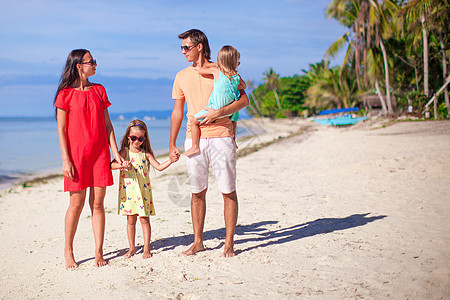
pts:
pixel 187 48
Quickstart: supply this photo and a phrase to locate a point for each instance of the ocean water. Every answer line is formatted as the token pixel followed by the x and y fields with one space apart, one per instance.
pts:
pixel 30 147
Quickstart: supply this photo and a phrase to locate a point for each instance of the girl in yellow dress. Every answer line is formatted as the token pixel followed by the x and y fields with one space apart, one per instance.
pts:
pixel 135 192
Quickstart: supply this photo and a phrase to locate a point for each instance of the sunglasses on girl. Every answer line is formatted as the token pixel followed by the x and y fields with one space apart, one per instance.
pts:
pixel 133 138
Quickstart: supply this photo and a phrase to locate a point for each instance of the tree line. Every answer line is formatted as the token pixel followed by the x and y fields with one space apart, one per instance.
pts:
pixel 393 49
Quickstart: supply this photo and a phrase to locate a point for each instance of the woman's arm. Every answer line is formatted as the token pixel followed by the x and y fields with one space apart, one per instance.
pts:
pixel 112 138
pixel 155 164
pixel 125 163
pixel 61 117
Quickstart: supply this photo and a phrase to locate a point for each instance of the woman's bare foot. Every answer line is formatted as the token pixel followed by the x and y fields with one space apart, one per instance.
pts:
pixel 70 260
pixel 192 151
pixel 194 249
pixel 100 262
pixel 130 253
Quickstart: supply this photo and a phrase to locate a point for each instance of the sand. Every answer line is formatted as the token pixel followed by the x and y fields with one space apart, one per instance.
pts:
pixel 328 213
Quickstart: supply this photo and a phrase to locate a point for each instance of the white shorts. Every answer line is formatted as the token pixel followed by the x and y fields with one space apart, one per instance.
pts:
pixel 220 153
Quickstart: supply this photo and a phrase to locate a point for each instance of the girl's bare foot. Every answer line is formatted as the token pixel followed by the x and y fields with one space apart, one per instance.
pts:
pixel 192 151
pixel 70 260
pixel 130 253
pixel 194 249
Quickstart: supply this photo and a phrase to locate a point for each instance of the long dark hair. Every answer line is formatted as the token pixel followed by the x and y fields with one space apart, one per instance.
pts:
pixel 70 72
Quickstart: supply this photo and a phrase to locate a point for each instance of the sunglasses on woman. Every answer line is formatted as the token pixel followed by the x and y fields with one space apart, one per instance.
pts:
pixel 133 138
pixel 92 62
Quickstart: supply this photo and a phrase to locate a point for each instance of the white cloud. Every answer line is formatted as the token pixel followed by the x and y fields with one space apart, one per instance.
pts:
pixel 139 38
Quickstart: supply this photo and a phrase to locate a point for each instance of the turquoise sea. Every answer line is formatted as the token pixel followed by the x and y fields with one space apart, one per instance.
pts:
pixel 30 147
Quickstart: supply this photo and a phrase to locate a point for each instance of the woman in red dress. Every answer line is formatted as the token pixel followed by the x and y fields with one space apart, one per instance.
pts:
pixel 85 134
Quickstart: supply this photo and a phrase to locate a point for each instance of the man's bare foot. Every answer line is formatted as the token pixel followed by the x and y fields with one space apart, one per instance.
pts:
pixel 192 151
pixel 228 252
pixel 146 254
pixel 130 253
pixel 194 249
pixel 70 260
pixel 100 262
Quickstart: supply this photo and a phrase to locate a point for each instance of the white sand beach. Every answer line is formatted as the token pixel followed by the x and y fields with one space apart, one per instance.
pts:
pixel 329 213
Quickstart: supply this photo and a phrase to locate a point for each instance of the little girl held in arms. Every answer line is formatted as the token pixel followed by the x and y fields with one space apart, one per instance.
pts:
pixel 225 91
pixel 135 192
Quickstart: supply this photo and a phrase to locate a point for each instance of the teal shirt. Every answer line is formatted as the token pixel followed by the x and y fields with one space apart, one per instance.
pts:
pixel 225 92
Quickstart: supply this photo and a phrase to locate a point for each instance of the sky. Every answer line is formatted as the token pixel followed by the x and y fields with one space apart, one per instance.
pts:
pixel 137 49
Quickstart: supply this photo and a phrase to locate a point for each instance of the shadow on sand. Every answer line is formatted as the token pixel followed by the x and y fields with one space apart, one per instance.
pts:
pixel 258 232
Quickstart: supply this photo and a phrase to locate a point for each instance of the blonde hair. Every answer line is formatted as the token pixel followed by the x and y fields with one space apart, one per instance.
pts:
pixel 138 125
pixel 228 60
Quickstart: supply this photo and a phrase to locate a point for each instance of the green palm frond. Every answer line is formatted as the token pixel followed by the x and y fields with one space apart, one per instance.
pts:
pixel 334 49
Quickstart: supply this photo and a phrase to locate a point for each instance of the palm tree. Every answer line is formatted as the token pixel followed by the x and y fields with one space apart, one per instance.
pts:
pixel 353 15
pixel 444 71
pixel 330 88
pixel 432 14
pixel 410 53
pixel 315 74
pixel 439 20
pixel 370 22
pixel 419 10
pixel 373 72
pixel 272 81
pixel 384 23
pixel 257 109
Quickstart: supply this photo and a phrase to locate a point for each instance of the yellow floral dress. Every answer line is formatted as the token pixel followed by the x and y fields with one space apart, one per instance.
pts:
pixel 135 191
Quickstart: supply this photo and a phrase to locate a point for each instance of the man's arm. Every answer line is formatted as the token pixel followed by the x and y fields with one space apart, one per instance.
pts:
pixel 226 110
pixel 175 124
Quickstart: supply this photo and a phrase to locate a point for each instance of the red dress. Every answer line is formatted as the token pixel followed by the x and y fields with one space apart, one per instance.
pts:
pixel 87 138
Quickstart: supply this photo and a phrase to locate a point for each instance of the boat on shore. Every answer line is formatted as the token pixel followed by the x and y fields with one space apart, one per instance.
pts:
pixel 338 117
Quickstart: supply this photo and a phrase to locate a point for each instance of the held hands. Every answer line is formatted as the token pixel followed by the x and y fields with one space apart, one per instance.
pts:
pixel 173 159
pixel 118 158
pixel 125 165
pixel 174 154
pixel 210 116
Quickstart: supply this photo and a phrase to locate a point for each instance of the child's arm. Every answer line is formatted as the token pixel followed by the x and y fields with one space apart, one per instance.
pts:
pixel 116 165
pixel 209 69
pixel 155 164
